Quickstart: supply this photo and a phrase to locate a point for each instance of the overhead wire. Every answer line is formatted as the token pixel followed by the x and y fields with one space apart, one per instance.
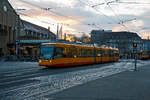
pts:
pixel 73 18
pixel 103 14
pixel 23 14
pixel 97 10
pixel 121 22
pixel 132 3
pixel 49 10
pixel 53 12
pixel 127 3
pixel 56 12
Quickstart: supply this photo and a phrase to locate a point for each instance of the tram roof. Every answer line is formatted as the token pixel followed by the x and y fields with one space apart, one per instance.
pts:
pixel 79 45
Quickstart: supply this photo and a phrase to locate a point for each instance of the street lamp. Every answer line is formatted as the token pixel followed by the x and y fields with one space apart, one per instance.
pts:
pixel 135 54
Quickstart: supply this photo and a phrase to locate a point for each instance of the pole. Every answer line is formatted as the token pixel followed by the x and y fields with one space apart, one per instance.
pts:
pixel 135 68
pixel 57 34
pixel 94 53
pixel 135 55
pixel 17 28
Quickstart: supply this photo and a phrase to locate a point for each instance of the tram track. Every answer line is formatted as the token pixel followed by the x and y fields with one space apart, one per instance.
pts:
pixel 18 70
pixel 54 81
pixel 52 85
pixel 21 75
pixel 11 80
pixel 18 74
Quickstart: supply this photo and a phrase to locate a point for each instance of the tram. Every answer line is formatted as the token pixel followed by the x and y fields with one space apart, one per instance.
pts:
pixel 144 55
pixel 64 54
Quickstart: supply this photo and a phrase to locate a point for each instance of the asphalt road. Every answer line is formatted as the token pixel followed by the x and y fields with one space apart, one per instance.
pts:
pixel 128 85
pixel 26 80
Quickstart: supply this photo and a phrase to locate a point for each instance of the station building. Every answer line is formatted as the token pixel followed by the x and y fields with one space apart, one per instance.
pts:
pixel 8 27
pixel 35 32
pixel 31 37
pixel 17 34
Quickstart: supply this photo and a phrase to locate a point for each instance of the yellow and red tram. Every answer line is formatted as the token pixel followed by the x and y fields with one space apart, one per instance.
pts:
pixel 144 55
pixel 63 54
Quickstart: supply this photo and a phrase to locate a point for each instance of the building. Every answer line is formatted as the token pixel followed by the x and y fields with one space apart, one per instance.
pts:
pixel 121 40
pixel 30 38
pixel 9 27
pixel 35 32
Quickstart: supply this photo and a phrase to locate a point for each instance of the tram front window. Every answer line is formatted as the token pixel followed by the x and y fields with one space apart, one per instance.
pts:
pixel 47 52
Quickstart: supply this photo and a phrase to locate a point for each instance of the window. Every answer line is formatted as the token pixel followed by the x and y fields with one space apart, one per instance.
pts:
pixel 58 52
pixel 29 32
pixel 116 53
pixel 79 52
pixel 106 53
pixel 83 52
pixel 89 52
pixel 102 52
pixel 74 52
pixel 26 32
pixel 110 54
pixel 47 52
pixel 98 53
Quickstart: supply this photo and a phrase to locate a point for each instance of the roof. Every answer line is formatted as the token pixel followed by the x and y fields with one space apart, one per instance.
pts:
pixel 34 41
pixel 123 34
pixel 36 28
pixel 10 6
pixel 79 45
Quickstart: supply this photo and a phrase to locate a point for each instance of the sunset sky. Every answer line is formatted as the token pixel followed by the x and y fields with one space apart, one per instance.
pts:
pixel 81 16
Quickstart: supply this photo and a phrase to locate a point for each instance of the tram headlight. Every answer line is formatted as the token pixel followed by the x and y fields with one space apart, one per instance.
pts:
pixel 40 61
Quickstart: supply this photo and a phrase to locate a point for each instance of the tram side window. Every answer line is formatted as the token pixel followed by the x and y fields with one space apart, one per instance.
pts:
pixel 69 53
pixel 109 53
pixel 66 52
pixel 59 52
pixel 98 52
pixel 105 53
pixel 116 53
pixel 101 52
pixel 112 53
pixel 89 52
pixel 79 52
pixel 83 52
pixel 74 52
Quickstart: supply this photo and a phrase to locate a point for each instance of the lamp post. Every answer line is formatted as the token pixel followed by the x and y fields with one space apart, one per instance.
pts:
pixel 135 56
pixel 94 53
pixel 17 33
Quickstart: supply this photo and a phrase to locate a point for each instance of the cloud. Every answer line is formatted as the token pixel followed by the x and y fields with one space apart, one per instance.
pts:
pixel 80 17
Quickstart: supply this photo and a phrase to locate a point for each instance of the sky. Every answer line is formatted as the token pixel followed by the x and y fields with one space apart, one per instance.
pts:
pixel 82 16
